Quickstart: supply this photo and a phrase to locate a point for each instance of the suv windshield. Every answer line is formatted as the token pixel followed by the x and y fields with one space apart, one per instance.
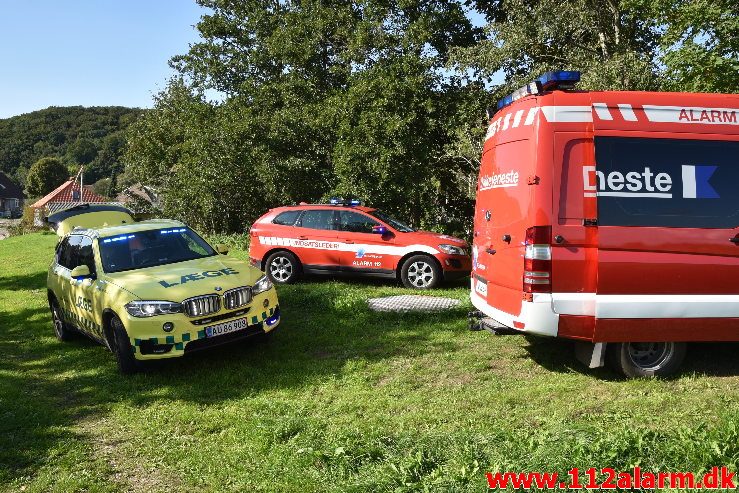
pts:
pixel 150 248
pixel 403 228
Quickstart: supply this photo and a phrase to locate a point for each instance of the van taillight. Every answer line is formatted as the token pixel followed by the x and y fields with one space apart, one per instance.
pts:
pixel 537 275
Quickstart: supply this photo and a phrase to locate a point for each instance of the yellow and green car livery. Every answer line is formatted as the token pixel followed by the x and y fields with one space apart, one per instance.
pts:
pixel 151 289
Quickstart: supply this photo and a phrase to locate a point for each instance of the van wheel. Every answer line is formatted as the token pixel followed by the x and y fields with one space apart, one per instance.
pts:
pixel 61 329
pixel 282 268
pixel 121 346
pixel 645 359
pixel 420 272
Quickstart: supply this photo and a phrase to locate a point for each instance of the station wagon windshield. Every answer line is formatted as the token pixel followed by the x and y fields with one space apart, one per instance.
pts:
pixel 403 228
pixel 151 248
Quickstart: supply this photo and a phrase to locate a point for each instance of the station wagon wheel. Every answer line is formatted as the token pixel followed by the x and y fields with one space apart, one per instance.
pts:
pixel 282 267
pixel 420 272
pixel 645 359
pixel 61 329
pixel 121 347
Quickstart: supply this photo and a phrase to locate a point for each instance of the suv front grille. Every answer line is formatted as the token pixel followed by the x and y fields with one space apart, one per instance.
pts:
pixel 234 298
pixel 202 305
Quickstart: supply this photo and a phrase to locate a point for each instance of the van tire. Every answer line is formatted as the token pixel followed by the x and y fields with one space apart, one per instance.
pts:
pixel 282 267
pixel 420 272
pixel 645 359
pixel 122 349
pixel 62 331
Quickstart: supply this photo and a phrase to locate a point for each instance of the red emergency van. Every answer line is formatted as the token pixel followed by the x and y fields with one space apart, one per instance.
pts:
pixel 610 218
pixel 344 237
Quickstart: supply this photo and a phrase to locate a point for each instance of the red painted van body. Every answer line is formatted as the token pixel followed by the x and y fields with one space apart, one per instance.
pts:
pixel 627 207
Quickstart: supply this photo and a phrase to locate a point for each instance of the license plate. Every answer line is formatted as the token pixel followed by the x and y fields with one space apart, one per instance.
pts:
pixel 225 327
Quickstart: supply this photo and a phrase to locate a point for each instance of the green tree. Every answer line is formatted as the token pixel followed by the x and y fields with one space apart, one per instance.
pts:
pixel 45 175
pixel 318 98
pixel 614 43
pixel 700 45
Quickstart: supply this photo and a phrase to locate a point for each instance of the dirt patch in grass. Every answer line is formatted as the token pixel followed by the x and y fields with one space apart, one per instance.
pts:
pixel 128 473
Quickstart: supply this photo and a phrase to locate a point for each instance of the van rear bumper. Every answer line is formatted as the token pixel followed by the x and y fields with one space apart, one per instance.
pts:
pixel 535 317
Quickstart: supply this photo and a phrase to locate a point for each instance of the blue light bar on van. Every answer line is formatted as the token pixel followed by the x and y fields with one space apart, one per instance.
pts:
pixel 530 88
pixel 560 79
pixel 563 79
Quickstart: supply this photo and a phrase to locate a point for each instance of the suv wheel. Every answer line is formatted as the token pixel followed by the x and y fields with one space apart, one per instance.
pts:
pixel 121 347
pixel 420 272
pixel 61 329
pixel 645 359
pixel 282 268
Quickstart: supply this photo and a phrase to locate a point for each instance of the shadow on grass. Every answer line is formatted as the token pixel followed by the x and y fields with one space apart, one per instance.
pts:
pixel 37 280
pixel 47 387
pixel 707 359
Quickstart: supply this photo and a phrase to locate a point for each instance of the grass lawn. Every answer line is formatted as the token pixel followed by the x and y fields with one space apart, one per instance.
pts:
pixel 341 399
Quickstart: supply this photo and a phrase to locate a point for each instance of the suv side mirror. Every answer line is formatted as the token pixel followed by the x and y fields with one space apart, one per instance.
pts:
pixel 222 249
pixel 80 272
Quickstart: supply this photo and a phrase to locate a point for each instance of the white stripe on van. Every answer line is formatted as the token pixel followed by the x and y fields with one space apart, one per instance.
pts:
pixel 567 114
pixel 647 305
pixel 601 109
pixel 517 118
pixel 691 114
pixel 531 115
pixel 627 112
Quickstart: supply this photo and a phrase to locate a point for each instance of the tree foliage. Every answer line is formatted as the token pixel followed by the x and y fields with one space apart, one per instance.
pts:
pixel 319 98
pixel 76 135
pixel 45 175
pixel 684 45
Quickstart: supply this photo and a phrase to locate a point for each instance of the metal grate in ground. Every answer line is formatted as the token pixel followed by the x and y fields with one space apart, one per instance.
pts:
pixel 411 303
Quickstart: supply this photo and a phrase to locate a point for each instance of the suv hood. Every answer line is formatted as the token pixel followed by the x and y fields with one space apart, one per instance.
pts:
pixel 433 239
pixel 182 280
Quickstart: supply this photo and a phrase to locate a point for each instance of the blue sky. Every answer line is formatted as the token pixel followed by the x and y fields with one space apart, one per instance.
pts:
pixel 89 52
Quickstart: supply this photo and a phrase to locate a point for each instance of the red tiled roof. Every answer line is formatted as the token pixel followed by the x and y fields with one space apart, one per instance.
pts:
pixel 63 193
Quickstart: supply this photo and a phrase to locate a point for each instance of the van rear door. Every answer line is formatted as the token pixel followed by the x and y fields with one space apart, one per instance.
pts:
pixel 504 208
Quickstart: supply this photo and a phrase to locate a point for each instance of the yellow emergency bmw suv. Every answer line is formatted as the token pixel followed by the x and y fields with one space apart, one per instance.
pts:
pixel 152 289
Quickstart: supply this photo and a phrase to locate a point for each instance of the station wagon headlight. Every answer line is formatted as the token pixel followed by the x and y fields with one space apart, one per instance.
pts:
pixel 452 250
pixel 152 308
pixel 263 284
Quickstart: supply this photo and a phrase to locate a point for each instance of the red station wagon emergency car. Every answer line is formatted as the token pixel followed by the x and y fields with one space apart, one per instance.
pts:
pixel 610 218
pixel 344 237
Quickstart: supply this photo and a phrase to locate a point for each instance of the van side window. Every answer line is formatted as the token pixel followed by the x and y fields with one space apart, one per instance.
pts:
pixel 318 219
pixel 286 218
pixel 677 183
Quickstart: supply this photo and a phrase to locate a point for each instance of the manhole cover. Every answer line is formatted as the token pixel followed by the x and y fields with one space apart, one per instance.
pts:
pixel 411 303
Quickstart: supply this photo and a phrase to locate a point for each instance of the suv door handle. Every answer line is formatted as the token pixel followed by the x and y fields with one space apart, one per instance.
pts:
pixel 348 241
pixel 734 239
pixel 302 237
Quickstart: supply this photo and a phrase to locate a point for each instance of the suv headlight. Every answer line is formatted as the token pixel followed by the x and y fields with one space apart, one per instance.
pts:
pixel 453 250
pixel 263 284
pixel 152 308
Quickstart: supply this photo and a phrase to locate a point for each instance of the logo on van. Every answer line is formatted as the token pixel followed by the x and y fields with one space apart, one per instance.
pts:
pixel 649 184
pixel 501 180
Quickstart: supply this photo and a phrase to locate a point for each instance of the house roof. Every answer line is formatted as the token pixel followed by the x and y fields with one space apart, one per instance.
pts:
pixel 64 193
pixel 8 188
pixel 139 191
